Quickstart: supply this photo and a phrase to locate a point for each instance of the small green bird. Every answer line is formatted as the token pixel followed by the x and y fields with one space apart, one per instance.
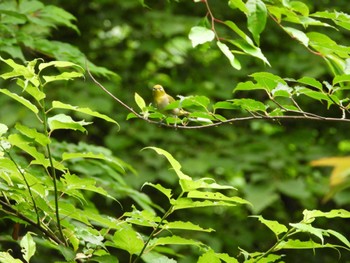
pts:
pixel 162 99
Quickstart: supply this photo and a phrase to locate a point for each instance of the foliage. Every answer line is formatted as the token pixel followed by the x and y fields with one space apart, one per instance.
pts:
pixel 79 202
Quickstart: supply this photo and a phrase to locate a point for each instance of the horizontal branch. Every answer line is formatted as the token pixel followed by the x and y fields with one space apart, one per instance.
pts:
pixel 10 210
pixel 302 115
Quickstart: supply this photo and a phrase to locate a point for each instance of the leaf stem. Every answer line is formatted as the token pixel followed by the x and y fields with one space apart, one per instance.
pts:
pixel 27 184
pixel 53 174
pixel 155 230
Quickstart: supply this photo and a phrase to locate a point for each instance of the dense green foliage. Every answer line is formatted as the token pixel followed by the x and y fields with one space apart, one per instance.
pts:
pixel 266 85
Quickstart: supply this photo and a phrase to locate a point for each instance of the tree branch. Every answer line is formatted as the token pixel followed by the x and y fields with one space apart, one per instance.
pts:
pixel 302 115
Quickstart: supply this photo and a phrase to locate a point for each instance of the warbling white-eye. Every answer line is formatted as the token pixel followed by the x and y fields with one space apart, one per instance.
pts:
pixel 162 99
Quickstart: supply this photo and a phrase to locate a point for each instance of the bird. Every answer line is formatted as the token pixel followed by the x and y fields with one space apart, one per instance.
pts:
pixel 162 100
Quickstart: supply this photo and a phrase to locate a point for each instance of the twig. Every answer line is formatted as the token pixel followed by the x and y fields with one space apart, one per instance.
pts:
pixel 14 212
pixel 27 184
pixel 305 116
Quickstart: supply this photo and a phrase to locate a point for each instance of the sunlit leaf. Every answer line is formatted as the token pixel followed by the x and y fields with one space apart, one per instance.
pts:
pixel 63 76
pixel 273 225
pixel 311 82
pixel 185 226
pixel 200 35
pixel 298 244
pixel 60 64
pixel 257 15
pixel 65 122
pixel 268 80
pixel 310 214
pixel 309 229
pixel 216 196
pixel 209 183
pixel 28 247
pixel 139 101
pixel 282 90
pixel 128 239
pixel 297 34
pixel 5 257
pixel 21 100
pixel 250 104
pixel 33 134
pixel 175 240
pixel 3 129
pixel 88 111
pixel 162 189
pixel 185 203
pixel 226 51
pixel 174 163
pixel 238 4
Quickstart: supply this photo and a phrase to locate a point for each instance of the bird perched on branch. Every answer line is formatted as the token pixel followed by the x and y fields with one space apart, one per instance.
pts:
pixel 162 100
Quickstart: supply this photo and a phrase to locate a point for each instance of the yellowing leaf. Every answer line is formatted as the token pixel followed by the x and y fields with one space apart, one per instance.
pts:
pixel 340 176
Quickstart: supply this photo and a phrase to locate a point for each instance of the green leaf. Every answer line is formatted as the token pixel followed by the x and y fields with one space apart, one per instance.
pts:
pixel 32 90
pixel 65 122
pixel 224 105
pixel 339 18
pixel 174 240
pixel 185 226
pixel 99 156
pixel 131 115
pixel 298 35
pixel 212 257
pixel 326 46
pixel 160 188
pixel 184 203
pixel 174 163
pixel 226 51
pixel 273 225
pixel 247 85
pixel 238 4
pixel 299 7
pixel 60 64
pixel 201 101
pixel 152 256
pixel 250 49
pixel 88 111
pixel 21 100
pixel 3 129
pixel 339 236
pixel 209 183
pixel 140 101
pixel 200 35
pixel 5 257
pixel 309 229
pixel 257 14
pixel 216 196
pixel 19 70
pixel 128 239
pixel 73 182
pixel 341 78
pixel 317 95
pixel 282 90
pixel 239 32
pixel 143 218
pixel 28 247
pixel 268 80
pixel 311 82
pixel 23 143
pixel 33 134
pixel 311 214
pixel 63 76
pixel 57 16
pixel 209 256
pixel 297 244
pixel 250 104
